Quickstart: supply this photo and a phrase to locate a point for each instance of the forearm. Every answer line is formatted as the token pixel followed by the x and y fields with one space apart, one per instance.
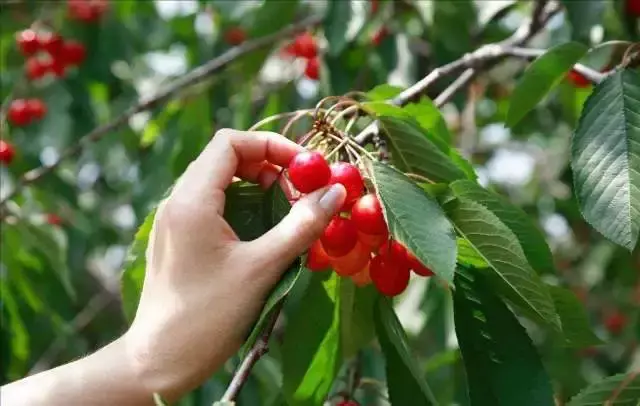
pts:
pixel 107 377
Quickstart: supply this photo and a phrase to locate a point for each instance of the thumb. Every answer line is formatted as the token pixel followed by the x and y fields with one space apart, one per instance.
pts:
pixel 299 229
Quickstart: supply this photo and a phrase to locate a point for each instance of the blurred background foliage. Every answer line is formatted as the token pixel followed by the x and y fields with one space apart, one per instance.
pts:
pixel 66 236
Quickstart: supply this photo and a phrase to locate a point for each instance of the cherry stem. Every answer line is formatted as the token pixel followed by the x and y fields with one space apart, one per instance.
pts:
pixel 419 178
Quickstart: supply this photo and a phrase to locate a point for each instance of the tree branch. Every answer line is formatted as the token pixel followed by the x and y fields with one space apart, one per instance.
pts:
pixel 190 79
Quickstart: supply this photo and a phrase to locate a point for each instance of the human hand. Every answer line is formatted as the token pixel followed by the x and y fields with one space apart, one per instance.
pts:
pixel 203 287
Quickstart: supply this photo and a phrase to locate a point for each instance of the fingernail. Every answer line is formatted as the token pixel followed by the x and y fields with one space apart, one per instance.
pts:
pixel 333 198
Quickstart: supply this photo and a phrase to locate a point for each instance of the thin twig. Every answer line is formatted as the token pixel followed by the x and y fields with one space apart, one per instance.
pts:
pixel 462 81
pixel 259 349
pixel 190 79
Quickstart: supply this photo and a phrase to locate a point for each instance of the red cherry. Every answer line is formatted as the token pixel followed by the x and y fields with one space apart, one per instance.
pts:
pixel 51 43
pixel 309 171
pixel 616 322
pixel 367 214
pixel 56 66
pixel 27 41
pixel 396 251
pixel 578 80
pixel 348 403
pixel 353 262
pixel 18 113
pixel 416 266
pixel 374 6
pixel 317 258
pixel 305 46
pixel 54 219
pixel 372 241
pixel 349 176
pixel 73 53
pixel 389 278
pixel 36 108
pixel 87 10
pixel 379 36
pixel 312 70
pixel 235 36
pixel 339 237
pixel 7 152
pixel 633 8
pixel 362 278
pixel 35 68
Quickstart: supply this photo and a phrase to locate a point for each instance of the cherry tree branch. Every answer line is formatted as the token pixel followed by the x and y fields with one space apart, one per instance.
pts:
pixel 188 80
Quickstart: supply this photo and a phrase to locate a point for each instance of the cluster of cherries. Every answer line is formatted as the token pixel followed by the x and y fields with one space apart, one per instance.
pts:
pixel 356 242
pixel 305 46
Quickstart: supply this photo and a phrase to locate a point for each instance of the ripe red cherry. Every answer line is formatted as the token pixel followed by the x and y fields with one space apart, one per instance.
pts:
pixel 7 152
pixel 372 241
pixel 35 68
pixel 51 43
pixel 18 113
pixel 309 171
pixel 235 36
pixel 633 8
pixel 339 237
pixel 379 36
pixel 353 262
pixel 27 41
pixel 367 214
pixel 417 266
pixel 87 10
pixel 73 53
pixel 389 278
pixel 578 80
pixel 317 258
pixel 396 251
pixel 615 322
pixel 36 108
pixel 56 66
pixel 349 176
pixel 362 278
pixel 305 46
pixel 312 69
pixel 348 403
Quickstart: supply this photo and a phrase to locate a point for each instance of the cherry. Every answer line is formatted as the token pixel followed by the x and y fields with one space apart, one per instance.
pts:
pixel 305 46
pixel 578 80
pixel 362 278
pixel 35 68
pixel 51 43
pixel 18 113
pixel 366 213
pixel 87 10
pixel 309 171
pixel 312 69
pixel 615 322
pixel 379 36
pixel 633 8
pixel 416 266
pixel 396 251
pixel 317 258
pixel 372 241
pixel 7 152
pixel 339 237
pixel 27 41
pixel 36 108
pixel 349 176
pixel 73 53
pixel 374 6
pixel 388 277
pixel 348 403
pixel 235 36
pixel 54 219
pixel 56 66
pixel 353 262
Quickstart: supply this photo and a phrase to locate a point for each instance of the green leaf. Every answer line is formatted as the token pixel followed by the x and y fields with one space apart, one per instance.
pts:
pixel 336 23
pixel 405 381
pixel 384 92
pixel 416 220
pixel 529 235
pixel 356 316
pixel 134 268
pixel 509 271
pixel 413 151
pixel 468 255
pixel 244 210
pixel 605 158
pixel 275 208
pixel 617 390
pixel 502 365
pixel 574 319
pixel 545 73
pixel 311 353
pixel 429 117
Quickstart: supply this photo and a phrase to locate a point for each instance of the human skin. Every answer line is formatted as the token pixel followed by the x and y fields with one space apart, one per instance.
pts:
pixel 203 286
